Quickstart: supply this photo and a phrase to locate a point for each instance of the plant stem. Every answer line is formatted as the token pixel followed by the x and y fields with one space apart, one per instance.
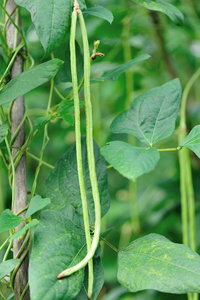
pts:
pixel 161 42
pixel 78 149
pixel 4 244
pixel 11 62
pixel 169 149
pixel 185 97
pixel 7 251
pixel 12 21
pixel 43 162
pixel 132 186
pixel 4 298
pixel 110 245
pixel 13 174
pixel 13 171
pixel 44 143
pixel 24 291
pixel 187 192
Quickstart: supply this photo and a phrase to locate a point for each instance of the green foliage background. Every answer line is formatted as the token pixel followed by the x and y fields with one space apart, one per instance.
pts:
pixel 133 30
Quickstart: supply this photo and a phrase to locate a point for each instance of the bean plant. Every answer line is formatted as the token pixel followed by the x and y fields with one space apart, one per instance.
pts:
pixel 59 232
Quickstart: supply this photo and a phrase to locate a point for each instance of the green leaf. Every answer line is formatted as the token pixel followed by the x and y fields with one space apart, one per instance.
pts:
pixel 8 220
pixel 22 231
pixel 3 131
pixel 65 108
pixel 192 141
pixel 159 5
pixel 42 121
pixel 36 204
pixel 58 244
pixel 7 266
pixel 115 72
pixel 82 4
pixel 153 262
pixel 98 281
pixel 151 116
pixel 29 80
pixel 130 161
pixel 67 118
pixel 2 64
pixel 51 20
pixel 62 185
pixel 100 12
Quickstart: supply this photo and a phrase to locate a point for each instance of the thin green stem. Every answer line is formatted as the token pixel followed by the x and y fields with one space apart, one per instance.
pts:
pixel 17 23
pixel 25 241
pixel 187 192
pixel 78 148
pixel 37 159
pixel 24 291
pixel 185 97
pixel 59 94
pixel 4 244
pixel 11 62
pixel 7 251
pixel 44 143
pixel 18 266
pixel 13 174
pixel 169 149
pixel 109 167
pixel 4 298
pixel 19 127
pixel 70 96
pixel 12 21
pixel 22 210
pixel 132 186
pixel 110 245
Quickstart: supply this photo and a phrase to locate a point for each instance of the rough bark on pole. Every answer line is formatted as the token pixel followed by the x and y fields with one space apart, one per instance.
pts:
pixel 17 113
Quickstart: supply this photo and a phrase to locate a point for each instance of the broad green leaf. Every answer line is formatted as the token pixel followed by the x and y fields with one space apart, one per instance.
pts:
pixel 151 116
pixel 22 231
pixel 100 12
pixel 8 220
pixel 62 185
pixel 51 20
pixel 36 204
pixel 115 72
pixel 3 131
pixel 159 5
pixel 7 266
pixel 98 281
pixel 153 262
pixel 29 80
pixel 130 161
pixel 192 141
pixel 58 244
